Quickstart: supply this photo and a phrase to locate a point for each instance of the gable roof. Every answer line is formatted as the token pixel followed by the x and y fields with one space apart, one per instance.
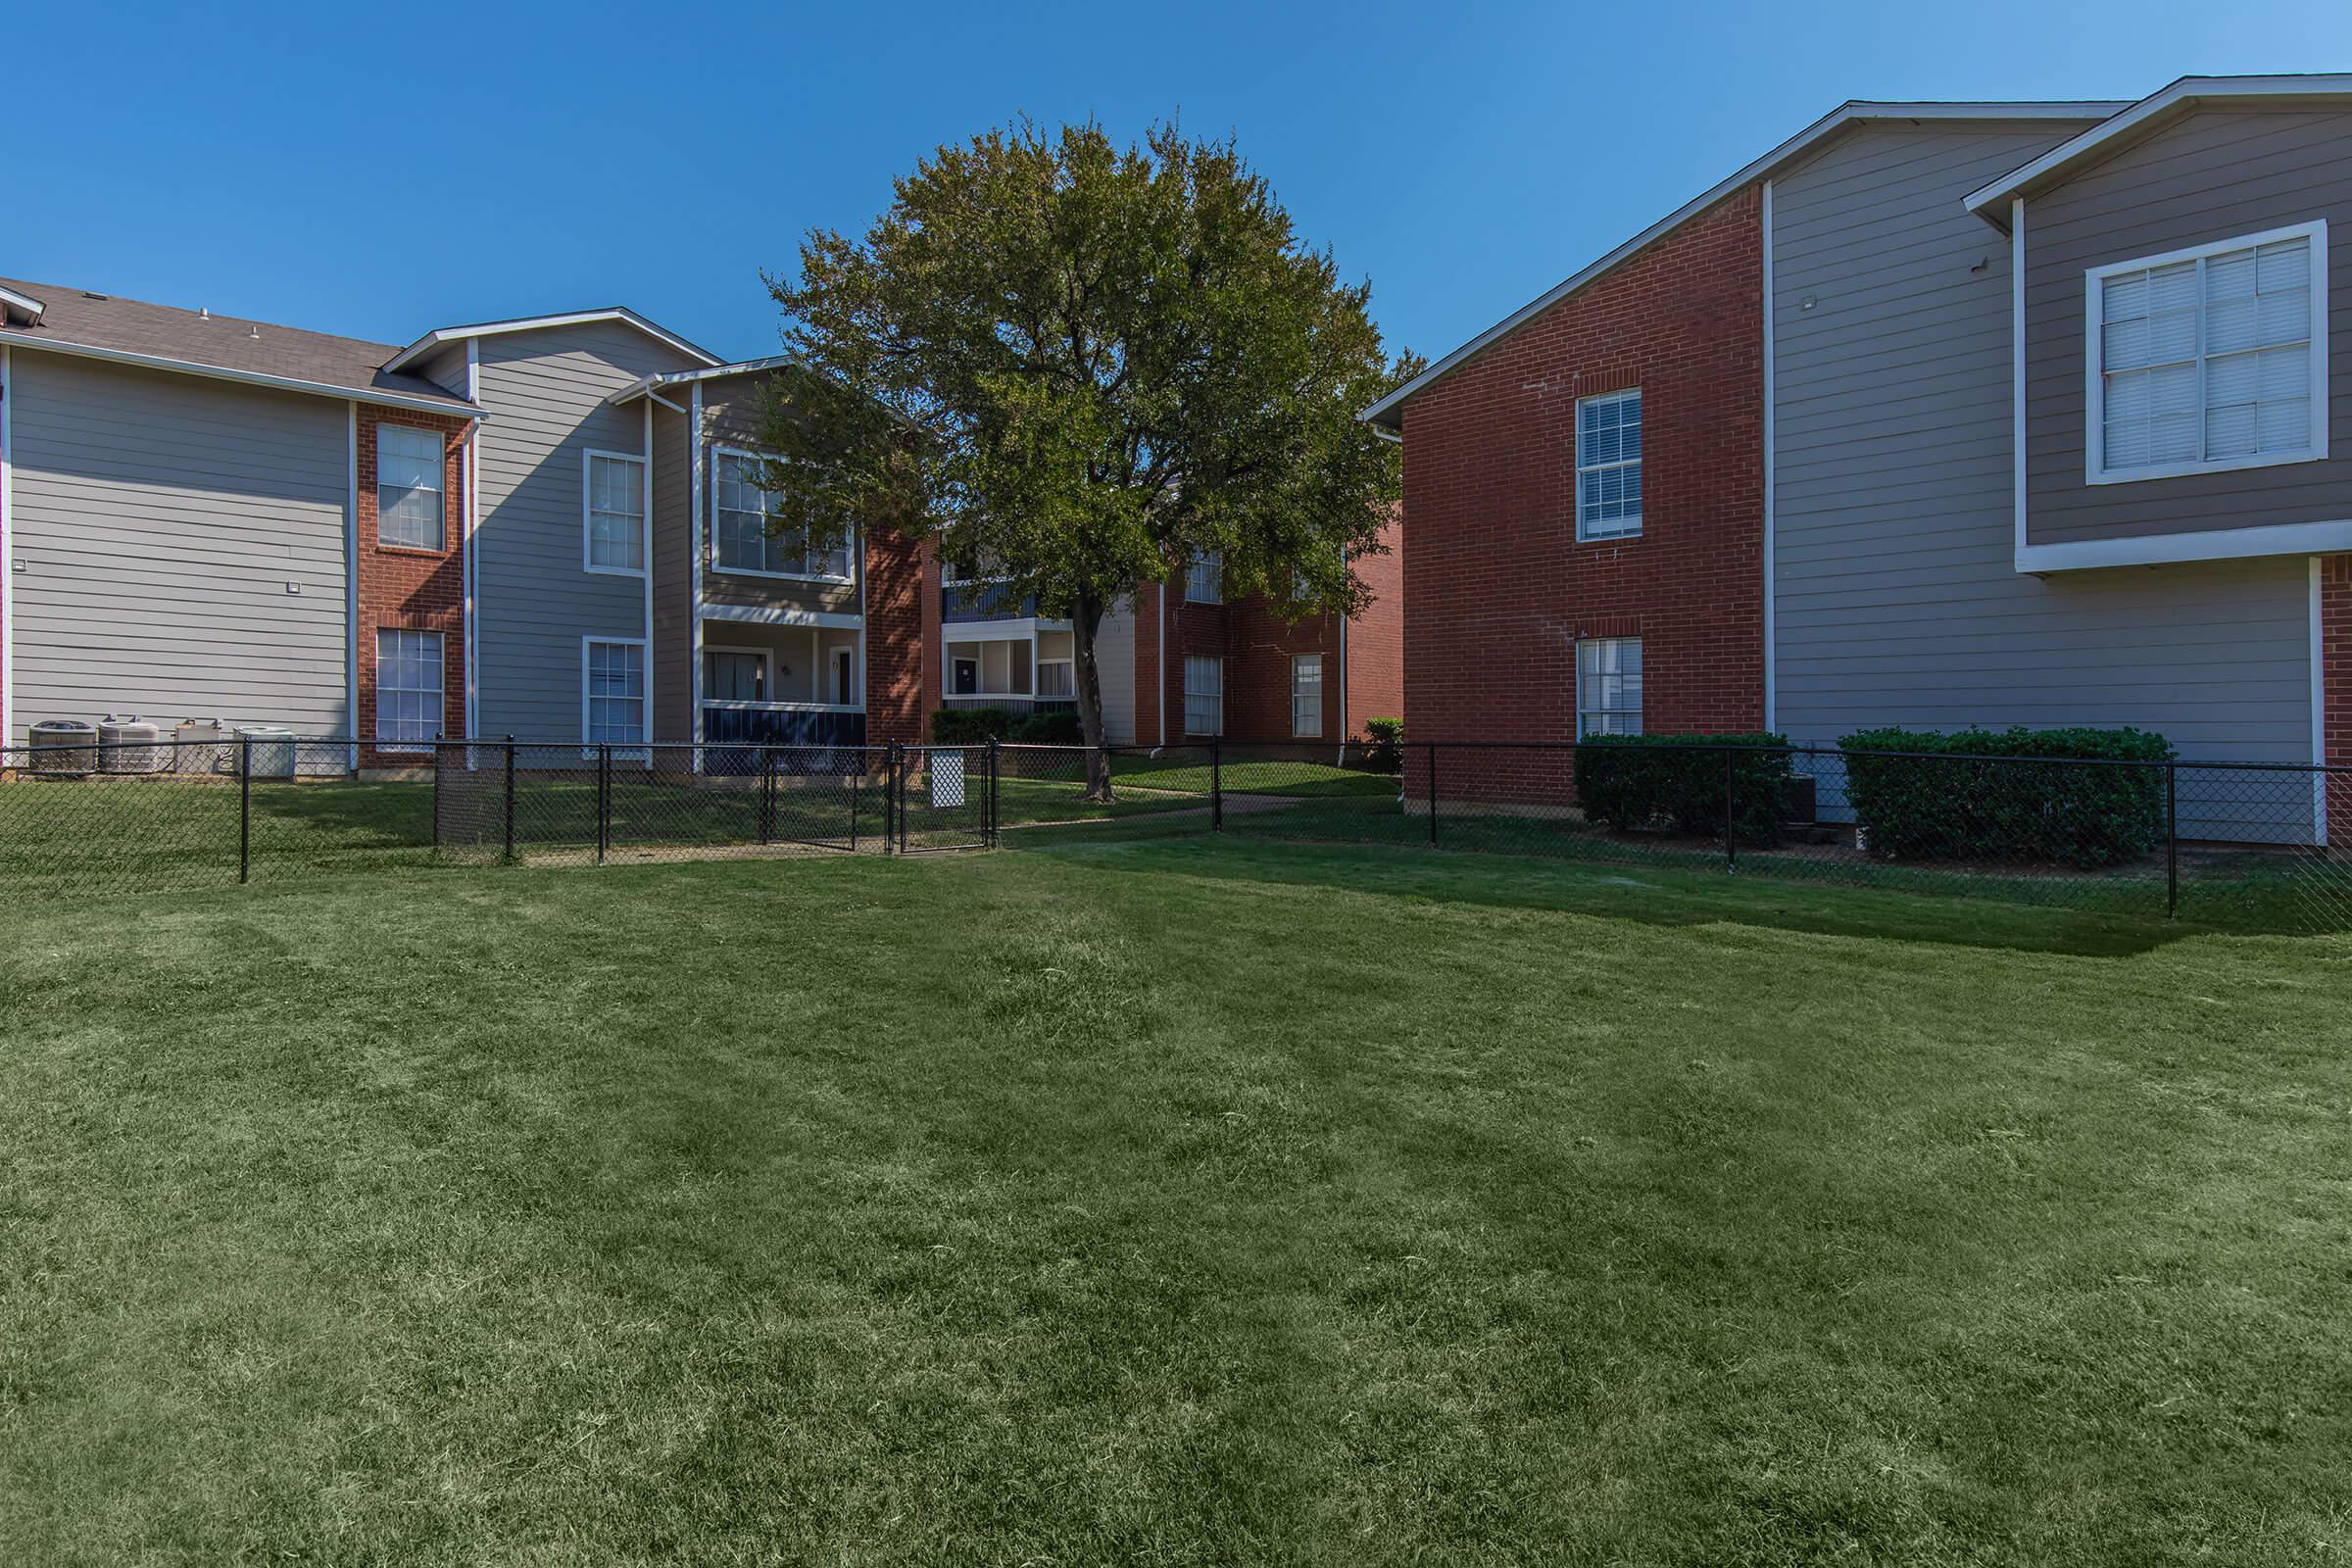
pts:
pixel 533 324
pixel 2145 118
pixel 1389 410
pixel 93 325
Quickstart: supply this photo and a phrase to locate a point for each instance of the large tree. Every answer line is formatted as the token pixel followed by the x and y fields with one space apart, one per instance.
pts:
pixel 1077 367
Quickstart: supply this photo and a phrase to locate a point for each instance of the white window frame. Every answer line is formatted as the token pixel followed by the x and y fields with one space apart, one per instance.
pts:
pixel 1299 731
pixel 645 544
pixel 1614 528
pixel 745 452
pixel 2095 381
pixel 1190 661
pixel 1212 564
pixel 1586 702
pixel 767 668
pixel 423 743
pixel 440 487
pixel 638 748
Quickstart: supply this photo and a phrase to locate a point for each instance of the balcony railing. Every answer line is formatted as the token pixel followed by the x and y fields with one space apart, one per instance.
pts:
pixel 774 724
pixel 1017 704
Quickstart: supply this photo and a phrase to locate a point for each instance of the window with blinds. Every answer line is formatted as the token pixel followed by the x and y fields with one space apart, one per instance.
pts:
pixel 2209 359
pixel 614 514
pixel 1203 695
pixel 1608 465
pixel 410 503
pixel 1608 686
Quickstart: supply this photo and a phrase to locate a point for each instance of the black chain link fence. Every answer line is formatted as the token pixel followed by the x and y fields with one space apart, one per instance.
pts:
pixel 2244 844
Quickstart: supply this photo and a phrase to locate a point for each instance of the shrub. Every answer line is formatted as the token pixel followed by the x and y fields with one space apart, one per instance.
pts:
pixel 973 726
pixel 1635 783
pixel 1387 755
pixel 1048 726
pixel 2017 794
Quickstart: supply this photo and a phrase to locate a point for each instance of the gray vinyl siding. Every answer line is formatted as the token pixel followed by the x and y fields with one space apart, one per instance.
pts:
pixel 544 391
pixel 159 519
pixel 674 580
pixel 1895 598
pixel 2212 177
pixel 731 418
pixel 445 367
pixel 1114 663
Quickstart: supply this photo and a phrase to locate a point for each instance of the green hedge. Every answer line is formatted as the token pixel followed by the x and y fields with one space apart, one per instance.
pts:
pixel 1641 782
pixel 1387 755
pixel 1949 803
pixel 973 726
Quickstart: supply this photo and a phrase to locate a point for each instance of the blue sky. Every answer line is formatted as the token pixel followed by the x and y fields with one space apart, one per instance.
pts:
pixel 380 171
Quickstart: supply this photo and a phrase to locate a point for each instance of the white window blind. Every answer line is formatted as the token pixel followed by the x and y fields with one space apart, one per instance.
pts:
pixel 408 487
pixel 1203 695
pixel 2206 360
pixel 744 540
pixel 1204 579
pixel 1608 686
pixel 616 691
pixel 615 503
pixel 1608 465
pixel 408 685
pixel 1306 694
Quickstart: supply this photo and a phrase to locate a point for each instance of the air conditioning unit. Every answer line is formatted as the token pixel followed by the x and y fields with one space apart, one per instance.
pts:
pixel 202 745
pixel 63 748
pixel 127 745
pixel 269 749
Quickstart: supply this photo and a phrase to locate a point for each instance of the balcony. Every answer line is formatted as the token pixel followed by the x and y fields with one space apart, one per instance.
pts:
pixel 1015 702
pixel 781 724
pixel 983 600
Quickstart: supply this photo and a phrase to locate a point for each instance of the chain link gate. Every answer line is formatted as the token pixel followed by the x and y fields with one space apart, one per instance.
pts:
pixel 943 796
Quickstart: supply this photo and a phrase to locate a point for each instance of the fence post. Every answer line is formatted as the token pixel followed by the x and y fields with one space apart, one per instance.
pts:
pixel 995 764
pixel 1216 783
pixel 2172 839
pixel 437 738
pixel 890 798
pixel 603 799
pixel 1432 792
pixel 510 814
pixel 1730 819
pixel 767 793
pixel 855 774
pixel 244 806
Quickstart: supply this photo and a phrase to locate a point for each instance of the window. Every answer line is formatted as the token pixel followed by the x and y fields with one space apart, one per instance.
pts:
pixel 2207 359
pixel 1205 578
pixel 408 687
pixel 615 693
pixel 1306 694
pixel 408 487
pixel 1608 686
pixel 744 540
pixel 1608 465
pixel 615 505
pixel 1204 696
pixel 730 675
pixel 1056 663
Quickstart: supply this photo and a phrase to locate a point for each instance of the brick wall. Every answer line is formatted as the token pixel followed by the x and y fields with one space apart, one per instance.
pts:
pixel 1376 638
pixel 418 590
pixel 901 637
pixel 1498 590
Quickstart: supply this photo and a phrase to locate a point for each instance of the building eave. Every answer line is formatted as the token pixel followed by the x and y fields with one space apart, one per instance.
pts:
pixel 377 396
pixel 442 335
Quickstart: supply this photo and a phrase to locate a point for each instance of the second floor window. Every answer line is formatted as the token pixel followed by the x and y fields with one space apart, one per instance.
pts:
pixel 1608 465
pixel 615 513
pixel 2204 359
pixel 744 539
pixel 1205 578
pixel 408 487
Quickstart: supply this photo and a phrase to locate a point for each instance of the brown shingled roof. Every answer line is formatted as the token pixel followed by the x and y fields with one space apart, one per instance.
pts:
pixel 72 317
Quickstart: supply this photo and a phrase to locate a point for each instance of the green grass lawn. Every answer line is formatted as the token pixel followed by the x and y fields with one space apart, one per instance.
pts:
pixel 1175 1200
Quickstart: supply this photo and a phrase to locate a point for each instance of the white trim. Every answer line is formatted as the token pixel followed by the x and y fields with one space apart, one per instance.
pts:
pixel 2319 708
pixel 2205 544
pixel 644 387
pixel 1011 626
pixel 1578 467
pixel 720 570
pixel 702 544
pixel 374 740
pixel 1316 733
pixel 472 517
pixel 645 720
pixel 284 384
pixel 2017 374
pixel 779 616
pixel 1836 119
pixel 645 472
pixel 1772 702
pixel 2184 93
pixel 533 324
pixel 351 570
pixel 23 301
pixel 645 504
pixel 2094 387
pixel 8 547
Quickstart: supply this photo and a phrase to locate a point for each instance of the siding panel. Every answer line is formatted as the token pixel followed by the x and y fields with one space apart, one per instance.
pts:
pixel 159 519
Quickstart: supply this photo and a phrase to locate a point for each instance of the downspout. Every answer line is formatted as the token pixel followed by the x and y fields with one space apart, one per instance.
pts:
pixel 864 631
pixel 8 559
pixel 1341 761
pixel 1160 725
pixel 646 506
pixel 351 577
pixel 469 571
pixel 694 607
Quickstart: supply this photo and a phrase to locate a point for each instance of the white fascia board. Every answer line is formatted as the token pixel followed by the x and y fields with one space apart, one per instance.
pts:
pixel 2206 544
pixel 1836 119
pixel 1010 629
pixel 2181 97
pixel 285 383
pixel 649 386
pixel 779 616
pixel 534 324
pixel 23 302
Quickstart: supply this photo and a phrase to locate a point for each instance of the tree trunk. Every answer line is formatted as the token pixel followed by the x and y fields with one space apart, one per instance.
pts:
pixel 1085 618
